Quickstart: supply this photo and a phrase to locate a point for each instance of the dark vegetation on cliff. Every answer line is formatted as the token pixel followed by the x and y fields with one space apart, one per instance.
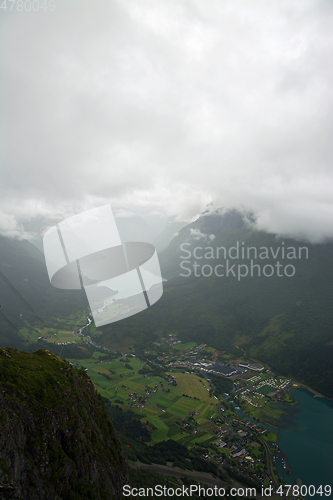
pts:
pixel 57 440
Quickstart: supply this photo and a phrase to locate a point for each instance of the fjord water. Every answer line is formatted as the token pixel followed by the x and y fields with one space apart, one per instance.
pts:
pixel 306 437
pixel 307 440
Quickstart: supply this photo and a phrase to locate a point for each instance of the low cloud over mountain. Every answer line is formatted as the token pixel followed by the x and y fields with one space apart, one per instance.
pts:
pixel 167 107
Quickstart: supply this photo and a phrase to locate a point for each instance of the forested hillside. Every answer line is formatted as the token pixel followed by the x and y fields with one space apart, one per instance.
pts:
pixel 23 265
pixel 280 312
pixel 284 321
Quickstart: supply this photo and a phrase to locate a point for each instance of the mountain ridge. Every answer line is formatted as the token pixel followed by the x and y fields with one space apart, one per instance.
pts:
pixel 283 320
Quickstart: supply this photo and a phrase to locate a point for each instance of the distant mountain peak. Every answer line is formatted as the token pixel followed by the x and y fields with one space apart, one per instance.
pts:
pixel 228 217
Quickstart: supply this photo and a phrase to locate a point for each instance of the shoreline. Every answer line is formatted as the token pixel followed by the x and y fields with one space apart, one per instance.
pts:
pixel 315 393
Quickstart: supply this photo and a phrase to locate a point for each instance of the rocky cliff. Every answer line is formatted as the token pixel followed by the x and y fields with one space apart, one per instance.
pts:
pixel 56 438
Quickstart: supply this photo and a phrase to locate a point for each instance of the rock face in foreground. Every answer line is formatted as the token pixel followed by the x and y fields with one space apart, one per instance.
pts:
pixel 56 438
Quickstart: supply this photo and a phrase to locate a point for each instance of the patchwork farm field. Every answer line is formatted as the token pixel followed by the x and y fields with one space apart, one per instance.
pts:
pixel 184 405
pixel 193 386
pixel 202 438
pixel 62 336
pixel 57 337
pixel 175 405
pixel 155 398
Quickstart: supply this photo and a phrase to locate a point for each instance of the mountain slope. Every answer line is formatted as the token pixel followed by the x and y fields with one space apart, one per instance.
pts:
pixel 24 266
pixel 56 437
pixel 285 319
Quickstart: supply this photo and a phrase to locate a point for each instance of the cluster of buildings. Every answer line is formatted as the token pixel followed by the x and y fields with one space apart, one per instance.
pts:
pixel 247 366
pixel 254 396
pixel 220 444
pixel 249 425
pixel 216 368
pixel 171 342
pixel 276 383
pixel 44 339
pixel 135 398
pixel 139 401
pixel 172 380
pixel 251 400
pixel 238 452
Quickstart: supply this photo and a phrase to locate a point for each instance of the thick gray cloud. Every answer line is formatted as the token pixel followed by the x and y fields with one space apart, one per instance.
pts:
pixel 175 103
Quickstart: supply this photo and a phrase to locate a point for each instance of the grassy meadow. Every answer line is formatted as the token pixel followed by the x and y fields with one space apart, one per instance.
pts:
pixel 167 405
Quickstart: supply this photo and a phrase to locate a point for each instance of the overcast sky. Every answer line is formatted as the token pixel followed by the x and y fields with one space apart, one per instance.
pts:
pixel 171 104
